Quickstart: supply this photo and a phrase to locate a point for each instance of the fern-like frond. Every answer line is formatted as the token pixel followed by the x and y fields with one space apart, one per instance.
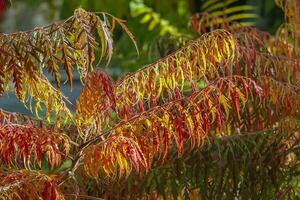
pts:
pixel 25 146
pixel 24 184
pixel 152 18
pixel 226 12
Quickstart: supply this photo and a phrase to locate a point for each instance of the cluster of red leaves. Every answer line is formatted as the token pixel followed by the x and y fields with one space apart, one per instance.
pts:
pixel 24 184
pixel 148 136
pixel 117 154
pixel 95 101
pixel 26 145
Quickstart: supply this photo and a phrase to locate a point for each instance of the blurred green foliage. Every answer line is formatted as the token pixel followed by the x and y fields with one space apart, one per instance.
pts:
pixel 169 17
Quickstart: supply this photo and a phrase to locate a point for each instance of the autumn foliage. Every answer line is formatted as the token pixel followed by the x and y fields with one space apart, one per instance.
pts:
pixel 227 99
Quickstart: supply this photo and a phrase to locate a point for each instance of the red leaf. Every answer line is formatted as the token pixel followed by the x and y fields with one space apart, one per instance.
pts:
pixel 235 103
pixel 38 154
pixel 246 88
pixel 219 116
pixel 165 144
pixel 140 106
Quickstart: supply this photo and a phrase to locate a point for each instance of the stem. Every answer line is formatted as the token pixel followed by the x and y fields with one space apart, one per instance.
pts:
pixel 84 197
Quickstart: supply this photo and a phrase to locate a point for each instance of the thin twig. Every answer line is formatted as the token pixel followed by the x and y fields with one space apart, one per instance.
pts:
pixel 84 197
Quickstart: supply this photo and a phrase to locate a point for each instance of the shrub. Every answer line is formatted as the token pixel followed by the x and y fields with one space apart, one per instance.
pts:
pixel 217 118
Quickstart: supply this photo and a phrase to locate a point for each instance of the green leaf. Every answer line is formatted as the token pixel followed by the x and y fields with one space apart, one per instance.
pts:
pixel 65 165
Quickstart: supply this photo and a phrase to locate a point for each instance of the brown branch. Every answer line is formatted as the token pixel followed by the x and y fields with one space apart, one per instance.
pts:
pixel 10 186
